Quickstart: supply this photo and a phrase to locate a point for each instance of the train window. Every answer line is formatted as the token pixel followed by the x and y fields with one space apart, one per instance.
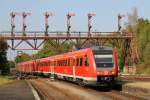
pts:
pixel 45 64
pixel 81 60
pixel 77 62
pixel 61 62
pixel 51 64
pixel 48 64
pixel 58 63
pixel 68 62
pixel 86 62
pixel 65 62
pixel 54 63
pixel 73 62
pixel 40 64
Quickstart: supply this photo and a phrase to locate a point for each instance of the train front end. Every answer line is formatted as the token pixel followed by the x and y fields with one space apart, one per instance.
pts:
pixel 106 64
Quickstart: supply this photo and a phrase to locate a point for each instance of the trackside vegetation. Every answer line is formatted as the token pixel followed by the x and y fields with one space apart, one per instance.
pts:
pixel 4 80
pixel 4 65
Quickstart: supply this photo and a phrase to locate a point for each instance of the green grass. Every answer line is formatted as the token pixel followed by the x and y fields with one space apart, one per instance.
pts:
pixel 4 80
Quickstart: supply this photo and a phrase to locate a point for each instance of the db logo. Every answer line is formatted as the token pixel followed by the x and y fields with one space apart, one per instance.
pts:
pixel 105 72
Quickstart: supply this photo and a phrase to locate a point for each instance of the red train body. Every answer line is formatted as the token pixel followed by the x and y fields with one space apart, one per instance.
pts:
pixel 91 66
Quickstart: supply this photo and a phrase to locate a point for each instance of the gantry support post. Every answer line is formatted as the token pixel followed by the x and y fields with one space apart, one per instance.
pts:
pixel 90 15
pixel 46 22
pixel 69 15
pixel 24 16
pixel 119 22
pixel 12 14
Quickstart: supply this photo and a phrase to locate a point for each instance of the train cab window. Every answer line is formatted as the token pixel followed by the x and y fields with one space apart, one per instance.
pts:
pixel 86 62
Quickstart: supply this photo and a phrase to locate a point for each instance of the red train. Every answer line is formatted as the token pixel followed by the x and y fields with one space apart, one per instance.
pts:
pixel 91 66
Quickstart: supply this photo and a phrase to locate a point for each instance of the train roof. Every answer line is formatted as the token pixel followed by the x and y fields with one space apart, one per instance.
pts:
pixel 93 48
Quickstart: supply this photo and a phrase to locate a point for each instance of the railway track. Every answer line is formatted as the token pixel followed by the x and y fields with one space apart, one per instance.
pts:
pixel 61 90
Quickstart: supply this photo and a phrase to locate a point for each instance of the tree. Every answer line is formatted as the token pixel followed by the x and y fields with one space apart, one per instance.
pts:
pixel 11 64
pixel 49 50
pixel 142 33
pixel 23 57
pixel 4 67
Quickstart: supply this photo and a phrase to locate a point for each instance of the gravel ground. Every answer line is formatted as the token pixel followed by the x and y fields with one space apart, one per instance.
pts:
pixel 17 90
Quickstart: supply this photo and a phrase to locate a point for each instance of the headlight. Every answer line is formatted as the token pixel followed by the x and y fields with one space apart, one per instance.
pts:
pixel 113 72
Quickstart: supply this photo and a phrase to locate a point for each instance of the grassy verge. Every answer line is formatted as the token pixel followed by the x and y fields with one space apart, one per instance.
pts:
pixel 4 80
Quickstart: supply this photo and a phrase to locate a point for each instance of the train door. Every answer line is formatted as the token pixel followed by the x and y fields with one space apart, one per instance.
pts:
pixel 74 69
pixel 82 65
pixel 53 64
pixel 35 66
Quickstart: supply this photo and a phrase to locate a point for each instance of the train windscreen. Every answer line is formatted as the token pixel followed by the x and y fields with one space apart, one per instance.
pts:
pixel 103 58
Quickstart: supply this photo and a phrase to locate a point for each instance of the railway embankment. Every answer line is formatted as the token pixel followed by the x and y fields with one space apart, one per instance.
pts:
pixel 137 88
pixel 136 84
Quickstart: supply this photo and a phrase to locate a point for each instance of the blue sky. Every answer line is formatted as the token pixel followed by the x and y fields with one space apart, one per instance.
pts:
pixel 105 19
